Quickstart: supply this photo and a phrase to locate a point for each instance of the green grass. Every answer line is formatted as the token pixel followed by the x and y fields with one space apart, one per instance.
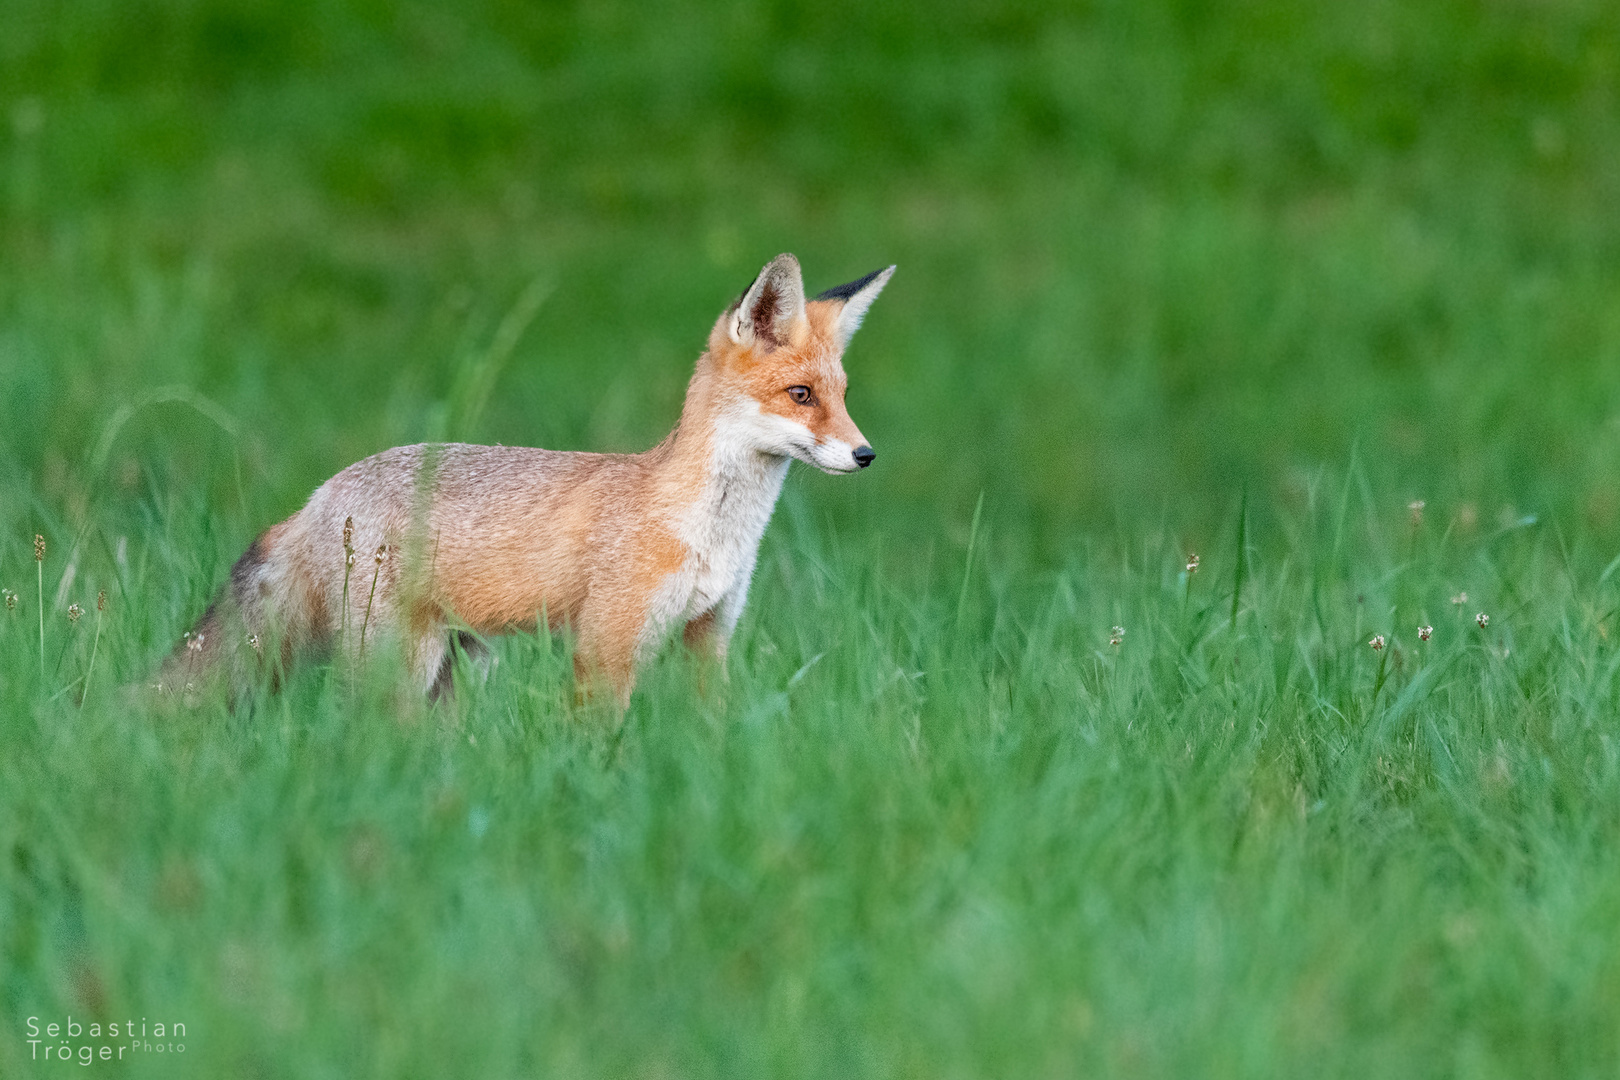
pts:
pixel 1241 279
pixel 916 837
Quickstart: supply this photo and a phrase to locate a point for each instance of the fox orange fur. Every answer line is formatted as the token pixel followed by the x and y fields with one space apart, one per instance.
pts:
pixel 623 549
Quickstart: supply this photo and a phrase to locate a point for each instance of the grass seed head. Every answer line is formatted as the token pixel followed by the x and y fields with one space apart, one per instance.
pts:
pixel 1192 563
pixel 1116 635
pixel 101 600
pixel 11 599
pixel 74 612
pixel 1483 619
pixel 1377 642
pixel 382 554
pixel 253 642
pixel 348 559
pixel 1416 508
pixel 39 548
pixel 348 537
pixel 1460 599
pixel 1425 632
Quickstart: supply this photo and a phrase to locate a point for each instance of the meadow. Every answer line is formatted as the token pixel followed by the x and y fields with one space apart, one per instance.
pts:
pixel 999 785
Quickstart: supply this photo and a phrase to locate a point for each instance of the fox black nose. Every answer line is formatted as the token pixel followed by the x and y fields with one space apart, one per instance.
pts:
pixel 864 456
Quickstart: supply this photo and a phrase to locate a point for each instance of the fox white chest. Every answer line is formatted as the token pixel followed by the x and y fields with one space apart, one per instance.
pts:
pixel 723 530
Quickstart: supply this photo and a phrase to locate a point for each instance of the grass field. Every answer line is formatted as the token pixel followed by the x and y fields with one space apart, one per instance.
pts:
pixel 1243 280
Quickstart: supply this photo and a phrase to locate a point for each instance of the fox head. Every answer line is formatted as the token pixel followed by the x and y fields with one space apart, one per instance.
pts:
pixel 779 362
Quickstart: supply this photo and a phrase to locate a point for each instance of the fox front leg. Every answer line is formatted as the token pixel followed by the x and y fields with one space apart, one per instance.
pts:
pixel 606 649
pixel 702 637
pixel 706 641
pixel 709 635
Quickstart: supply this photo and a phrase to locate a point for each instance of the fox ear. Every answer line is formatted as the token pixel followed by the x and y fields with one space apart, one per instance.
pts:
pixel 857 297
pixel 771 306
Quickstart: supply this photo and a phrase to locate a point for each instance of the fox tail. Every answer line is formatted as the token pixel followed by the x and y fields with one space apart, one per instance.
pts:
pixel 230 647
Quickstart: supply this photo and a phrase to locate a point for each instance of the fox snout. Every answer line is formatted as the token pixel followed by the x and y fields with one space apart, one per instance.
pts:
pixel 836 454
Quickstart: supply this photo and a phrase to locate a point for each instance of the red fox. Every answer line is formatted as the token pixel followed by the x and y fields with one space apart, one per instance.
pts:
pixel 424 544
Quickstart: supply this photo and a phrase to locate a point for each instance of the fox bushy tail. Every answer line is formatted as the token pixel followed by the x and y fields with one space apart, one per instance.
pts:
pixel 231 645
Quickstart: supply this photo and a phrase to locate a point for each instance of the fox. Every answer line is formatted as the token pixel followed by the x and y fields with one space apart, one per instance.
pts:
pixel 437 547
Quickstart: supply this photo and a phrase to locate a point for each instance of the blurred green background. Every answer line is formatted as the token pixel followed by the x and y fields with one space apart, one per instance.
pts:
pixel 1150 253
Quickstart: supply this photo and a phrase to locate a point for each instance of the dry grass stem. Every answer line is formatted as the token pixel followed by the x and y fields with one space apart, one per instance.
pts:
pixel 39 571
pixel 377 560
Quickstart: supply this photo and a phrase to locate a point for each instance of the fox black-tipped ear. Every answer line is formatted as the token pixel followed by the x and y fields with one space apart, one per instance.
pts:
pixel 857 297
pixel 772 304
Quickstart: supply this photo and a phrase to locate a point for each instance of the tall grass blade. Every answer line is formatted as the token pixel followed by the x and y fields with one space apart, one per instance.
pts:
pixel 967 568
pixel 1240 570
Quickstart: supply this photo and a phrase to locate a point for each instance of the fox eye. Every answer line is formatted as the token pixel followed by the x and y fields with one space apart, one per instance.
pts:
pixel 801 395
